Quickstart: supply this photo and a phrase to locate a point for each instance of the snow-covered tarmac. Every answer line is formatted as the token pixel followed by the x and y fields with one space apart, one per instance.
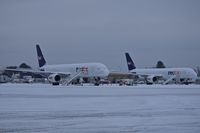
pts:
pixel 88 109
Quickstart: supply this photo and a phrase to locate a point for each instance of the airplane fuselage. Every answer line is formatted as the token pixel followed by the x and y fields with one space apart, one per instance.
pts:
pixel 184 74
pixel 86 69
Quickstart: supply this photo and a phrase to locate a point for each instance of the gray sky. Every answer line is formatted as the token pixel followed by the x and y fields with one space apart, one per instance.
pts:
pixel 74 31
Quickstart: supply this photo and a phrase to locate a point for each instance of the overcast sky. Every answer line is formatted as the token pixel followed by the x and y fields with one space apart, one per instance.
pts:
pixel 74 31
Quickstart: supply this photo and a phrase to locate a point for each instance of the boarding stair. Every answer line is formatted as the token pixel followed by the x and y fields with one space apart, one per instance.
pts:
pixel 67 82
pixel 170 79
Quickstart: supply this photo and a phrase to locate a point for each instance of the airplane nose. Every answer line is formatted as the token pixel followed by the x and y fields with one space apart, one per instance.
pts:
pixel 107 72
pixel 103 71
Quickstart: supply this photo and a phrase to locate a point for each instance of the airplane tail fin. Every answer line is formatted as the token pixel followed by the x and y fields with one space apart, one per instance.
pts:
pixel 40 56
pixel 130 62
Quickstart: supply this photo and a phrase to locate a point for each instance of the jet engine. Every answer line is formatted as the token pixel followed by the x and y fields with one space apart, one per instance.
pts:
pixel 54 79
pixel 151 79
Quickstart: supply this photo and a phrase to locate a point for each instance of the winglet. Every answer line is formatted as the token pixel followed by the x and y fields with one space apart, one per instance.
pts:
pixel 130 62
pixel 40 56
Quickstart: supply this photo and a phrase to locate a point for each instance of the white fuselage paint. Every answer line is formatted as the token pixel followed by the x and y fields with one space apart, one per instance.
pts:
pixel 88 69
pixel 182 73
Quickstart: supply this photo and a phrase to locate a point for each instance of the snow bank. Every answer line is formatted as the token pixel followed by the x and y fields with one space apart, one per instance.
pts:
pixel 107 108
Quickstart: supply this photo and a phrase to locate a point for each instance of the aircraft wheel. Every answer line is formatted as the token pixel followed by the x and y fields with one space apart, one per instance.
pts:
pixel 55 83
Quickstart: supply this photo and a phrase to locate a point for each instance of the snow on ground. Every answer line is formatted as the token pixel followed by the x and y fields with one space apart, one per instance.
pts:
pixel 88 109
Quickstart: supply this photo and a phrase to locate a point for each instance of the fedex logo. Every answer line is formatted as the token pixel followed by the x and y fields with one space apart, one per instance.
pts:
pixel 82 69
pixel 173 73
pixel 39 58
pixel 129 63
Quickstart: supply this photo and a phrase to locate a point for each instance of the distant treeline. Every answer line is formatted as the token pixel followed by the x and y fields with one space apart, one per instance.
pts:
pixel 23 65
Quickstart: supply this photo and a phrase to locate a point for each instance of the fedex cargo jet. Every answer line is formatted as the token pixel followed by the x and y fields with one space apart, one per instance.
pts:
pixel 152 75
pixel 89 70
pixel 65 73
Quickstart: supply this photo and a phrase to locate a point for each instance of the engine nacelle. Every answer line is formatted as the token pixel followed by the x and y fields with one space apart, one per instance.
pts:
pixel 151 79
pixel 54 79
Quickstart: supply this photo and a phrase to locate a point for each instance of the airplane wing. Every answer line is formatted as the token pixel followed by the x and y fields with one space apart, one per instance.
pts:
pixel 122 75
pixel 42 73
pixel 148 75
pixel 148 78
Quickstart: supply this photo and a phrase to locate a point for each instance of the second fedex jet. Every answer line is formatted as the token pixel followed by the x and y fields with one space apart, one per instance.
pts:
pixel 152 75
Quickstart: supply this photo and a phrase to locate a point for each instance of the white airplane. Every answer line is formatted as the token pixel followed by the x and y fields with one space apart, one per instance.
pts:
pixel 152 75
pixel 65 73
